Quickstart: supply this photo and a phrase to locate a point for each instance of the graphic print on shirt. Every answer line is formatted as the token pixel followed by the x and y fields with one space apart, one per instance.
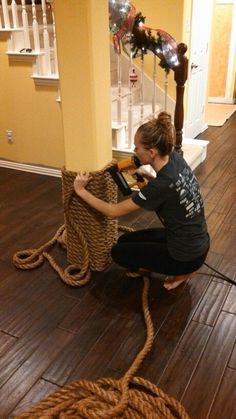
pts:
pixel 189 193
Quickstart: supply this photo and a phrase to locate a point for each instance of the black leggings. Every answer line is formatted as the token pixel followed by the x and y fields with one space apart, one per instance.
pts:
pixel 147 249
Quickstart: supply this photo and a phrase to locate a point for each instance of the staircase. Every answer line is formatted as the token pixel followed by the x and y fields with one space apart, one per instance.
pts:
pixel 29 28
pixel 122 135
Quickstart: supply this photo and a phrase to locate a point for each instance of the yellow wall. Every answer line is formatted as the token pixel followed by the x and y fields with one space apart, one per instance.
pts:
pixel 32 113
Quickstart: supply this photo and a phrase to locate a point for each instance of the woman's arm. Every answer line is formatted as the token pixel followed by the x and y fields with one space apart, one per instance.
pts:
pixel 106 208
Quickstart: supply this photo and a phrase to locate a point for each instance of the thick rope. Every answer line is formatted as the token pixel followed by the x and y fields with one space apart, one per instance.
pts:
pixel 73 275
pixel 84 248
pixel 129 398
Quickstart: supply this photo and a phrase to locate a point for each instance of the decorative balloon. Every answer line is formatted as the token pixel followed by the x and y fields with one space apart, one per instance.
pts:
pixel 121 19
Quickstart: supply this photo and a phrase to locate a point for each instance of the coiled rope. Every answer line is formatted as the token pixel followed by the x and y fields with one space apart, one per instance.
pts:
pixel 129 397
pixel 74 275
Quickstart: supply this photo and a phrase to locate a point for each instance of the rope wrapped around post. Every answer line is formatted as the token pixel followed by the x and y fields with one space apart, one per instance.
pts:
pixel 87 235
pixel 129 397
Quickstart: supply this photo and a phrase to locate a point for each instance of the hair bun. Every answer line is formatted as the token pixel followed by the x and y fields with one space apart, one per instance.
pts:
pixel 164 119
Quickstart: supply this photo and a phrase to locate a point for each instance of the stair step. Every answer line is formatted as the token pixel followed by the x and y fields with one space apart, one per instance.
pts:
pixel 136 113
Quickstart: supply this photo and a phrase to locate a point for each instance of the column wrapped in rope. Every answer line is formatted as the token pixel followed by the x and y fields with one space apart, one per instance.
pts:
pixel 87 231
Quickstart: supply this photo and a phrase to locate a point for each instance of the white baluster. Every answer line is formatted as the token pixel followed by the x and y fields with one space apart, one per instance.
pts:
pixel 166 89
pixel 130 106
pixel 141 91
pixel 35 27
pixel 119 88
pixel 154 85
pixel 25 25
pixel 14 14
pixel 54 39
pixel 5 14
pixel 46 40
pixel 0 16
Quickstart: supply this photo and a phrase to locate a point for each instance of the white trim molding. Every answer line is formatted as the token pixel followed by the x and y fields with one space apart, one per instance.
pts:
pixel 42 170
pixel 218 99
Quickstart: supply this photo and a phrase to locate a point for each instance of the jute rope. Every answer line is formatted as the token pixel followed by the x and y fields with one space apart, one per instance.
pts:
pixel 129 397
pixel 86 235
pixel 74 274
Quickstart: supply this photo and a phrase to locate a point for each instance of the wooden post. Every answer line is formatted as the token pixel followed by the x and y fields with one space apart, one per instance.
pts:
pixel 180 76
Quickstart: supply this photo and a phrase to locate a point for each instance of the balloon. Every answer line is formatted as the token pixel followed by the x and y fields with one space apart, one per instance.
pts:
pixel 121 19
pixel 118 13
pixel 170 54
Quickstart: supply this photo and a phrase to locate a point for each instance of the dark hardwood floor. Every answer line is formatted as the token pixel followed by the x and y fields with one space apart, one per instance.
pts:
pixel 52 334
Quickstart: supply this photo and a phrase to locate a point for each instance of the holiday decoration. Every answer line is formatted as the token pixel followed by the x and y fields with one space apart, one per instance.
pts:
pixel 144 39
pixel 138 39
pixel 133 77
pixel 121 19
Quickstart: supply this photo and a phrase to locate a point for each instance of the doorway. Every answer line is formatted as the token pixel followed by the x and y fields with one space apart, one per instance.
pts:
pixel 212 63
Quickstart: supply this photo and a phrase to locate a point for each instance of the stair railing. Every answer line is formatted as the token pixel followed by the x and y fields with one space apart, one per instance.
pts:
pixel 180 77
pixel 31 27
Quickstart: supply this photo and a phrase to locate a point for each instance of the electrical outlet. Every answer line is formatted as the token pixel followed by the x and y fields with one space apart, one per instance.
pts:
pixel 9 135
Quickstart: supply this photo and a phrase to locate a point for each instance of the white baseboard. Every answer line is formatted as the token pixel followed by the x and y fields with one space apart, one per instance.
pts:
pixel 222 100
pixel 30 168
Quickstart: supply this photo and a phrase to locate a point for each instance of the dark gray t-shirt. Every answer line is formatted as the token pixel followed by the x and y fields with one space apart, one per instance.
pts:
pixel 175 196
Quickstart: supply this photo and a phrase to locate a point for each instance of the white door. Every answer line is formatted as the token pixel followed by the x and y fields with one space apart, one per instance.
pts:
pixel 198 67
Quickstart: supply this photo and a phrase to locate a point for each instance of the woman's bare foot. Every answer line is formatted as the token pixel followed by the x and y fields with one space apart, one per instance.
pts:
pixel 174 282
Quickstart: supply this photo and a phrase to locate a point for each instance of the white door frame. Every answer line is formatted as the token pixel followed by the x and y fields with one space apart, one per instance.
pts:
pixel 190 100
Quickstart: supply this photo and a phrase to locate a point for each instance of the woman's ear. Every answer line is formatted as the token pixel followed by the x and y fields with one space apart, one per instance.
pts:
pixel 153 152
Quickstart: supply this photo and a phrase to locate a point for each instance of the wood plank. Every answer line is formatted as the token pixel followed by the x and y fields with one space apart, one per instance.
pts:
pixel 91 331
pixel 224 404
pixel 21 309
pixel 184 359
pixel 201 391
pixel 230 302
pixel 50 317
pixel 231 215
pixel 94 363
pixel 40 390
pixel 6 342
pixel 214 223
pixel 227 267
pixel 232 361
pixel 212 303
pixel 169 322
pixel 33 367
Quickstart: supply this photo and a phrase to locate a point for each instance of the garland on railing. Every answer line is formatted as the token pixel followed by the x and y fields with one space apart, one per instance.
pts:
pixel 137 39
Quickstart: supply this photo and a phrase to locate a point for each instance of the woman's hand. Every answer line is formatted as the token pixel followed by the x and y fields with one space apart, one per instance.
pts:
pixel 81 181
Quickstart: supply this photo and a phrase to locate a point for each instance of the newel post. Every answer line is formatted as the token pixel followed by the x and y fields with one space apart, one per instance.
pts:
pixel 180 76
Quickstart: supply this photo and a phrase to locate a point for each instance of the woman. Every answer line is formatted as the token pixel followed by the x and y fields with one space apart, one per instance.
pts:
pixel 181 246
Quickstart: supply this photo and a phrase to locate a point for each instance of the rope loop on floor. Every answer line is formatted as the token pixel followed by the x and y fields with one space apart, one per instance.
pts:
pixel 73 275
pixel 129 397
